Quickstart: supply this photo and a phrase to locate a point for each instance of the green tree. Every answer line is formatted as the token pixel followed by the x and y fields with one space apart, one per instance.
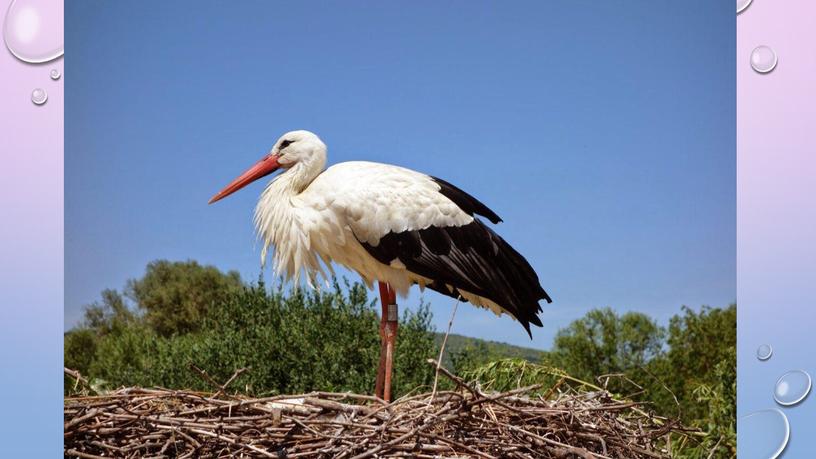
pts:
pixel 699 343
pixel 109 315
pixel 176 296
pixel 79 351
pixel 603 342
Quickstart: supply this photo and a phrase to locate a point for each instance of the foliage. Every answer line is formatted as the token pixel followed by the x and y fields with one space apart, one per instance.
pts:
pixel 177 296
pixel 603 342
pixel 508 374
pixel 293 343
pixel 701 371
pixel 110 315
pixel 699 342
pixel 79 349
pixel 463 352
pixel 719 400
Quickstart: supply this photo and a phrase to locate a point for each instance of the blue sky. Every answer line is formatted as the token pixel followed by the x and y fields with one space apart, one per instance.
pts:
pixel 603 134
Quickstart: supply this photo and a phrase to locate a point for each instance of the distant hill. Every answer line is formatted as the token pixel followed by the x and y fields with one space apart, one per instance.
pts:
pixel 501 350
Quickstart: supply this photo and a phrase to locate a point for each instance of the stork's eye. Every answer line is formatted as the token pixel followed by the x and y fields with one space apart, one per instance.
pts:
pixel 285 144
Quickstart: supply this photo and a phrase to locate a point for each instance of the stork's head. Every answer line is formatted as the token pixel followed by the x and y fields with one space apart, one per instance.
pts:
pixel 296 148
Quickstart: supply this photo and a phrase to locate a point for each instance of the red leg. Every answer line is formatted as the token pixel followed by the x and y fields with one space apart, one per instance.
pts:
pixel 388 334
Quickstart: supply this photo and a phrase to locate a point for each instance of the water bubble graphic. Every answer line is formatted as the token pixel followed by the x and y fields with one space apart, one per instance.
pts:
pixel 55 74
pixel 792 387
pixel 742 4
pixel 763 59
pixel 33 30
pixel 762 434
pixel 764 352
pixel 39 96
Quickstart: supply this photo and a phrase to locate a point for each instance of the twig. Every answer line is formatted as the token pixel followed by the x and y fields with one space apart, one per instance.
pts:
pixel 77 377
pixel 456 380
pixel 221 387
pixel 235 375
pixel 442 350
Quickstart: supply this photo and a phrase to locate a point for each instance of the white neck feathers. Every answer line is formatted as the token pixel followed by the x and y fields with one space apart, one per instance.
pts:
pixel 279 223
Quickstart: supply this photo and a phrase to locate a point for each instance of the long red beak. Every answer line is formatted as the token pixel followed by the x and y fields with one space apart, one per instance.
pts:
pixel 262 168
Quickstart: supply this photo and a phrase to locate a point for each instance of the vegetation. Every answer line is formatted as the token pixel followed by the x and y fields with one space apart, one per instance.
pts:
pixel 687 371
pixel 460 347
pixel 293 343
pixel 183 313
pixel 176 297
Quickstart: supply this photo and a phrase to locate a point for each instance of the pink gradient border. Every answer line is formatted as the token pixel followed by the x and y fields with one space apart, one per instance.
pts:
pixel 776 208
pixel 31 257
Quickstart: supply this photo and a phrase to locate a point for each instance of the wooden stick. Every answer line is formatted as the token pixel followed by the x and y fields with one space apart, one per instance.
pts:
pixel 442 350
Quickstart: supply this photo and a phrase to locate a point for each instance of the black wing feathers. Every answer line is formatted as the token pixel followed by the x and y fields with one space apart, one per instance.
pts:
pixel 466 202
pixel 471 257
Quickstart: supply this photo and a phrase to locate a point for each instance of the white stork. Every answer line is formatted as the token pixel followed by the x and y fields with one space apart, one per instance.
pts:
pixel 389 224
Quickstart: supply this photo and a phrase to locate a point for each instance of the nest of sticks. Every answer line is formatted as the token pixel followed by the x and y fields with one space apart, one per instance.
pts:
pixel 527 422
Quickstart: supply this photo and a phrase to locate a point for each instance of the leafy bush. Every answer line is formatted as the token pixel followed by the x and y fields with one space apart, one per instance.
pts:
pixel 506 374
pixel 293 343
pixel 698 343
pixel 719 399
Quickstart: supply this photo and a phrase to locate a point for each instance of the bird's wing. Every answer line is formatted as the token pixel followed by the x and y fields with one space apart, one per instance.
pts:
pixel 378 199
pixel 428 225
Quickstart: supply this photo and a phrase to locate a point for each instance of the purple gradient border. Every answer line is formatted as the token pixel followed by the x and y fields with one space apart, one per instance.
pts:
pixel 31 258
pixel 776 209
